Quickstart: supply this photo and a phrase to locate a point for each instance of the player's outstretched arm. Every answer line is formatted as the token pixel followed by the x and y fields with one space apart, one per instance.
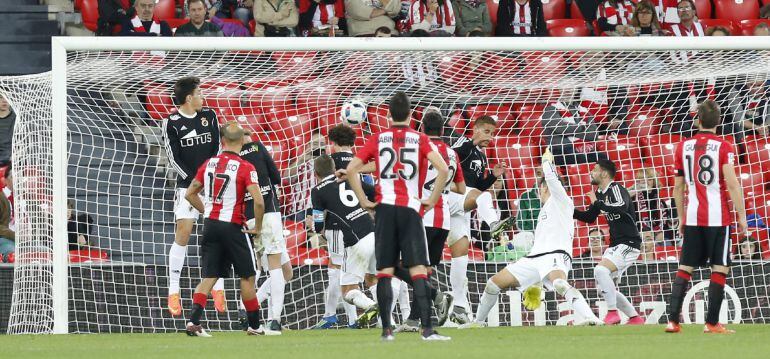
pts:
pixel 587 216
pixel 552 178
pixel 736 195
pixel 442 171
pixel 354 180
pixel 192 195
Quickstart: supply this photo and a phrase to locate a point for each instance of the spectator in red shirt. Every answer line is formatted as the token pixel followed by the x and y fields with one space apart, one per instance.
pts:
pixel 434 16
pixel 613 13
pixel 322 17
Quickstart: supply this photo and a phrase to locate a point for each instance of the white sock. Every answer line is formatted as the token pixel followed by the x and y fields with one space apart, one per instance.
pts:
pixel 373 292
pixel 625 305
pixel 351 311
pixel 606 285
pixel 458 272
pixel 487 301
pixel 486 208
pixel 359 299
pixel 579 304
pixel 403 301
pixel 277 287
pixel 263 292
pixel 220 284
pixel 175 263
pixel 333 293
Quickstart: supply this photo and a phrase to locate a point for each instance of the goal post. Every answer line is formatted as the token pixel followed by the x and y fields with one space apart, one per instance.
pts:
pixel 98 146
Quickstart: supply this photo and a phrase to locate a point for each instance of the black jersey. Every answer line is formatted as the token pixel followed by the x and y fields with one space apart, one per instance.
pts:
pixel 342 159
pixel 257 154
pixel 615 203
pixel 336 207
pixel 190 142
pixel 474 162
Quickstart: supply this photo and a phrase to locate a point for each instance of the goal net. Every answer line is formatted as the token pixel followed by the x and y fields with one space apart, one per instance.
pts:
pixel 631 106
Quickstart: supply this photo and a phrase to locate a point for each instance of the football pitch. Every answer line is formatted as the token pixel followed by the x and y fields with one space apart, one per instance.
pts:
pixel 648 342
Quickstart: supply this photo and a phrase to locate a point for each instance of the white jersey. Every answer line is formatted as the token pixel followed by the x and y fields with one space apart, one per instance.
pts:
pixel 555 226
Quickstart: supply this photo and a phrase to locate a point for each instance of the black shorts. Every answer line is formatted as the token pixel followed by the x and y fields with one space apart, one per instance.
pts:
pixel 224 245
pixel 436 241
pixel 399 236
pixel 706 245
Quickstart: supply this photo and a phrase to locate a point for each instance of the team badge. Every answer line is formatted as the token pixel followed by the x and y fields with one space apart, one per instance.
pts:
pixel 204 122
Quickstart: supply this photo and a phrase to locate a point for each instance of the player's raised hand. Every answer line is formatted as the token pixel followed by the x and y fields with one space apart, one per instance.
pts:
pixel 547 155
pixel 592 196
pixel 499 169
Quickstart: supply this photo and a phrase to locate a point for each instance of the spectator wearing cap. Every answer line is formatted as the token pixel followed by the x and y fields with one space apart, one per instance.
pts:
pixel 520 18
pixel 470 16
pixel 144 23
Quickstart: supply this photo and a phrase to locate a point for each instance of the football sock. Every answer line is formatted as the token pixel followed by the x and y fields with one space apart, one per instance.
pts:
pixel 220 284
pixel 358 299
pixel 421 291
pixel 263 292
pixel 487 301
pixel 277 287
pixel 579 303
pixel 678 290
pixel 384 298
pixel 716 295
pixel 175 263
pixel 606 285
pixel 403 301
pixel 351 312
pixel 486 209
pixel 625 305
pixel 252 312
pixel 333 293
pixel 458 273
pixel 199 304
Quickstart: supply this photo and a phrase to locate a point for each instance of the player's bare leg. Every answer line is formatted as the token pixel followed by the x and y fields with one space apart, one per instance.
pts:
pixel 716 296
pixel 574 297
pixel 484 204
pixel 615 300
pixel 458 274
pixel 678 290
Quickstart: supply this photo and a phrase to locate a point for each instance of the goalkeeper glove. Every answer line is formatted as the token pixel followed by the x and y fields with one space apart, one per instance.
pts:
pixel 547 155
pixel 532 297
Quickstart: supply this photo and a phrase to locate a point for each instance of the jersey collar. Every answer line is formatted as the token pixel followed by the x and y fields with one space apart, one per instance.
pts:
pixel 608 187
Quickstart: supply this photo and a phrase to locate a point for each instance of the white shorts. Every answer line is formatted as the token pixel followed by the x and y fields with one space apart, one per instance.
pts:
pixel 359 260
pixel 336 246
pixel 529 271
pixel 272 233
pixel 182 207
pixel 622 256
pixel 459 220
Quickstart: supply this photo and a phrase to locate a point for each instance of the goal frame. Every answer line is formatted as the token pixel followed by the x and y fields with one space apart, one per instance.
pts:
pixel 61 45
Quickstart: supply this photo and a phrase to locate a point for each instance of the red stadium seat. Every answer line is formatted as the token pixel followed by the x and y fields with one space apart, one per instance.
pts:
pixel 734 30
pixel 290 124
pixel 747 26
pixel 554 9
pixel 175 23
pixel 758 151
pixel 502 113
pixel 279 99
pixel 622 150
pixel 626 173
pixel 736 10
pixel 88 255
pixel 575 11
pixel 164 9
pixel 751 179
pixel 703 8
pixel 668 253
pixel 529 121
pixel 282 151
pixel 579 178
pixel 377 117
pixel 456 71
pixel 294 64
pixel 567 28
pixel 159 102
pixel 302 256
pixel 525 177
pixel 492 7
pixel 89 10
pixel 541 64
pixel 499 65
pixel 517 152
pixel 2 176
pixel 660 151
pixel 643 121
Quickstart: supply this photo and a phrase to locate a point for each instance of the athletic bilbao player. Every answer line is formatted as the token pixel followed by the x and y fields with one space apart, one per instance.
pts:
pixel 704 165
pixel 225 180
pixel 401 157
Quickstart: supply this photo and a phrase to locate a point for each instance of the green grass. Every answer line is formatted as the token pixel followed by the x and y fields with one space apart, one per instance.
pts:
pixel 648 342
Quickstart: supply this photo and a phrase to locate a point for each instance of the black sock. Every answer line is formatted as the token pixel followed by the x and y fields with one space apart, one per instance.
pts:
pixel 252 313
pixel 678 290
pixel 421 297
pixel 384 299
pixel 716 295
pixel 197 313
pixel 403 274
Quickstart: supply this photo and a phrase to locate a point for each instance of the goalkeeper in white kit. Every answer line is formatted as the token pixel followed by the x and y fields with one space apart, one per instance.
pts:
pixel 549 261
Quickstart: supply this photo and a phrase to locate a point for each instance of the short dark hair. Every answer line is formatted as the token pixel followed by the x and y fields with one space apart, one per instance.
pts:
pixel 323 166
pixel 399 106
pixel 484 120
pixel 433 124
pixel 342 135
pixel 592 230
pixel 185 87
pixel 190 2
pixel 708 114
pixel 382 30
pixel 608 166
pixel 8 171
pixel 419 33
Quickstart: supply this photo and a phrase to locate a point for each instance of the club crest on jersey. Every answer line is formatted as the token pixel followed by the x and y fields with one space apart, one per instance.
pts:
pixel 204 122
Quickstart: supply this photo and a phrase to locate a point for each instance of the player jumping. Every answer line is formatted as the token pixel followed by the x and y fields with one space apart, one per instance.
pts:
pixel 549 260
pixel 704 165
pixel 613 200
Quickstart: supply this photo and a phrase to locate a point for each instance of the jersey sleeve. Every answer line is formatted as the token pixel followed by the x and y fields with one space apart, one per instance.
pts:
pixel 174 150
pixel 249 173
pixel 426 145
pixel 726 154
pixel 201 171
pixel 678 165
pixel 554 184
pixel 463 147
pixel 459 176
pixel 319 213
pixel 367 153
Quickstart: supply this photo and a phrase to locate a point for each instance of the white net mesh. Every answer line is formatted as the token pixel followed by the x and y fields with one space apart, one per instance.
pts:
pixel 631 106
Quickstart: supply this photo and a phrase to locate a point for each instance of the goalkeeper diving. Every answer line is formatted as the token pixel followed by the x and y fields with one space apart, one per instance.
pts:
pixel 549 260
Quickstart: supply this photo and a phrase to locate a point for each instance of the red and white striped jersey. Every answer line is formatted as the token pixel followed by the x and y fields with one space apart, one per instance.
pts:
pixel 619 13
pixel 521 23
pixel 225 179
pixel 400 155
pixel 438 217
pixel 667 11
pixel 699 160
